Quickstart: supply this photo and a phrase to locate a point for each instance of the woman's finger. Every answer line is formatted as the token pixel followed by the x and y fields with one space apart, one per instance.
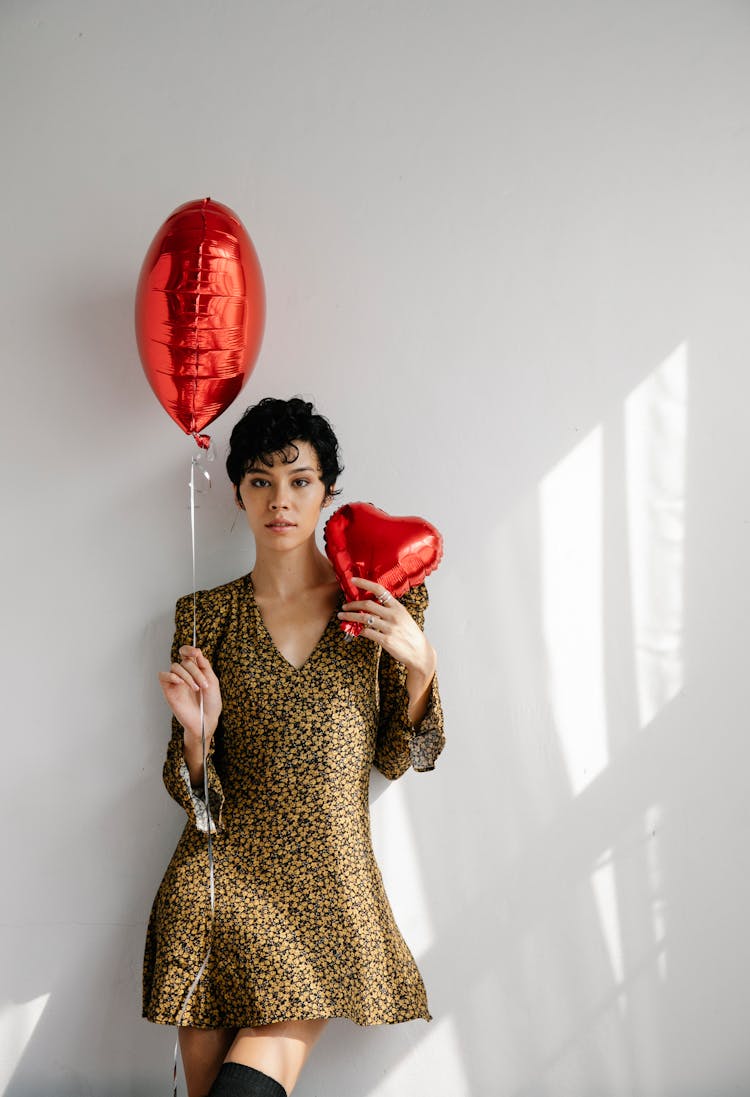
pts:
pixel 382 595
pixel 189 652
pixel 369 620
pixel 188 670
pixel 352 615
pixel 196 656
pixel 367 605
pixel 194 671
pixel 184 675
pixel 370 606
pixel 170 678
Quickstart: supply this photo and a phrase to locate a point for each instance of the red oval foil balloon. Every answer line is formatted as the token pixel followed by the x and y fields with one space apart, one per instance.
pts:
pixel 199 312
pixel 363 541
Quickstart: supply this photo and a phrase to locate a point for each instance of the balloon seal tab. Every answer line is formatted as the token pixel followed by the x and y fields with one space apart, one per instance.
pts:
pixel 203 440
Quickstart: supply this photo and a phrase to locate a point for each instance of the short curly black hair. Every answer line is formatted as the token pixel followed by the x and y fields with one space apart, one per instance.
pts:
pixel 271 427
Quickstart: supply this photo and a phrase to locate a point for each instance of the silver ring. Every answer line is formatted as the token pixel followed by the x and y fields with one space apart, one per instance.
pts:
pixel 384 599
pixel 370 621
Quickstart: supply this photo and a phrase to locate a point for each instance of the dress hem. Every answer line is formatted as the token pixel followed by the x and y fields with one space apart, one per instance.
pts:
pixel 274 1020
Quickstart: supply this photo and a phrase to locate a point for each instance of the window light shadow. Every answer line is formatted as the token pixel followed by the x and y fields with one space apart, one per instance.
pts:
pixel 18 1022
pixel 655 446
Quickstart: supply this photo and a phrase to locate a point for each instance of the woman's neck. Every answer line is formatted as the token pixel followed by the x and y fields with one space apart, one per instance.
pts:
pixel 286 575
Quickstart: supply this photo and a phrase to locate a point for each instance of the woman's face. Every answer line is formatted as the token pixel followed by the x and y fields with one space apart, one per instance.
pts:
pixel 283 503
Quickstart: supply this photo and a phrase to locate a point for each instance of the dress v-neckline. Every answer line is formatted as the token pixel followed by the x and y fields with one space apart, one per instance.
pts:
pixel 263 628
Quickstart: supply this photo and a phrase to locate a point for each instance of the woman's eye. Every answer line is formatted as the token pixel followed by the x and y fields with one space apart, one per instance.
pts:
pixel 260 482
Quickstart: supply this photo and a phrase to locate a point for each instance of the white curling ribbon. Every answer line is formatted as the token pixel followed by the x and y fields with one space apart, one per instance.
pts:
pixel 194 489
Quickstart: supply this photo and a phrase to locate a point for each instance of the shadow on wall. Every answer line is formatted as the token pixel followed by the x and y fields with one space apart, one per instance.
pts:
pixel 543 840
pixel 548 887
pixel 550 969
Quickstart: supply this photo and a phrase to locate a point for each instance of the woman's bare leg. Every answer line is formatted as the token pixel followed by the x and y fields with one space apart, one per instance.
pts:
pixel 203 1050
pixel 278 1050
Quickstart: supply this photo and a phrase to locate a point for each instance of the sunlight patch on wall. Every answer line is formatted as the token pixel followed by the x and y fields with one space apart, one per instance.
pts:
pixel 604 887
pixel 436 1055
pixel 655 456
pixel 397 855
pixel 570 504
pixel 652 825
pixel 18 1020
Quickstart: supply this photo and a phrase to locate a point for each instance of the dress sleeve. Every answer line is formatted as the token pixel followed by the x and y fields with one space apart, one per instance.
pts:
pixel 175 773
pixel 400 743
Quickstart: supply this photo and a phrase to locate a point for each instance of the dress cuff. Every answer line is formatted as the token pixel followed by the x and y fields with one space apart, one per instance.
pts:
pixel 426 739
pixel 198 801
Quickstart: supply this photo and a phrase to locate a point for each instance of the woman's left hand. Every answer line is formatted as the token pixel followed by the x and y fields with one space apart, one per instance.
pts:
pixel 391 625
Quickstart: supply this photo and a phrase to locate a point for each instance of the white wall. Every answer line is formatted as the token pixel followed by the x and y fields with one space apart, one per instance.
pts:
pixel 506 251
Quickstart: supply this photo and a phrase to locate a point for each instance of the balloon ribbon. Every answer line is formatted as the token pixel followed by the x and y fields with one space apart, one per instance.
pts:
pixel 209 821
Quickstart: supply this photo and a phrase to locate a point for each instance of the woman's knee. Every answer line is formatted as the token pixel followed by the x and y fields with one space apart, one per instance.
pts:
pixel 202 1051
pixel 278 1050
pixel 304 1031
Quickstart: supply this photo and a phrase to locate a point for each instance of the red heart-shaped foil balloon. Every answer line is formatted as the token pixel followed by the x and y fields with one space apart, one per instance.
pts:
pixel 365 542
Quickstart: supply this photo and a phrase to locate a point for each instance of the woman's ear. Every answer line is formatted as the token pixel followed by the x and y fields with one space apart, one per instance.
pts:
pixel 238 498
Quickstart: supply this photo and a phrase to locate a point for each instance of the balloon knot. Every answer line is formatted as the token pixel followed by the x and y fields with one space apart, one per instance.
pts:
pixel 203 440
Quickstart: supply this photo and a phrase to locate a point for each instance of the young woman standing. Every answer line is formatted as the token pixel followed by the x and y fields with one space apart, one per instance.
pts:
pixel 295 717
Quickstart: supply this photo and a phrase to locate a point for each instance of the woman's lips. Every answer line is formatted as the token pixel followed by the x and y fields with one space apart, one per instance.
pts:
pixel 279 527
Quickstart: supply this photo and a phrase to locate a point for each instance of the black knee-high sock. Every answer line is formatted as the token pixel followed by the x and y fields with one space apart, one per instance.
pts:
pixel 237 1080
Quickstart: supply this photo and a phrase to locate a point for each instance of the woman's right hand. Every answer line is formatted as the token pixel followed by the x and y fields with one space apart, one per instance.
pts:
pixel 182 686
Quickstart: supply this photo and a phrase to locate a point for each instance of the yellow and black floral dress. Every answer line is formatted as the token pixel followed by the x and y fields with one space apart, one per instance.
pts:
pixel 302 926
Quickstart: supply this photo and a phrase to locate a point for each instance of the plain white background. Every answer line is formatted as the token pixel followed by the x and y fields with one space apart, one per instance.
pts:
pixel 506 251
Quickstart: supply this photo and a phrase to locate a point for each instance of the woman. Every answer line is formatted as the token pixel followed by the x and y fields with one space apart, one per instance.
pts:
pixel 295 716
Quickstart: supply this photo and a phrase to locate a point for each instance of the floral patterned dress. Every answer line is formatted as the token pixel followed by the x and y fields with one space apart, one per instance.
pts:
pixel 302 927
